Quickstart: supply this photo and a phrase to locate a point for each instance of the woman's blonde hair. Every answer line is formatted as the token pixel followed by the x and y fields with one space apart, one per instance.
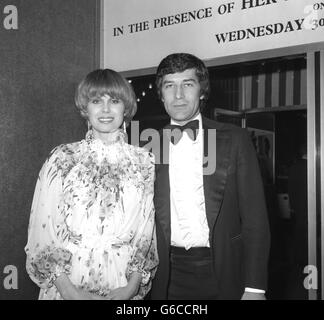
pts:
pixel 106 81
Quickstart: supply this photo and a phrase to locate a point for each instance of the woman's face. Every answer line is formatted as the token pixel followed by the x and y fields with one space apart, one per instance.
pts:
pixel 105 114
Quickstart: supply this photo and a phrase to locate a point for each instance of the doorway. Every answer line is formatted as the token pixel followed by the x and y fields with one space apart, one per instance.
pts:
pixel 280 139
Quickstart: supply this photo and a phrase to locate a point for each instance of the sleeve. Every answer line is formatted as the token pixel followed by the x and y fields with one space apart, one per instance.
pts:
pixel 46 257
pixel 253 212
pixel 145 258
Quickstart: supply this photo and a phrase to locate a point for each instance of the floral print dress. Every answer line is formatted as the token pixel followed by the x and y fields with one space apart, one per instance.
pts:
pixel 92 217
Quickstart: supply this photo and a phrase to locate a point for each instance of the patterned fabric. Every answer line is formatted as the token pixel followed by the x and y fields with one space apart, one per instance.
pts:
pixel 93 217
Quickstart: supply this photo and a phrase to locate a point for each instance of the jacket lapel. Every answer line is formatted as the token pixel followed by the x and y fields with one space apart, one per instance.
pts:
pixel 214 184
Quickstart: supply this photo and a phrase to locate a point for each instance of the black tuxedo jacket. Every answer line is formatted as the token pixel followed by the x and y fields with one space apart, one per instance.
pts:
pixel 236 213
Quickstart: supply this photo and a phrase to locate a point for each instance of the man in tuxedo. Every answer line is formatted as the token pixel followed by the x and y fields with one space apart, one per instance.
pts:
pixel 211 221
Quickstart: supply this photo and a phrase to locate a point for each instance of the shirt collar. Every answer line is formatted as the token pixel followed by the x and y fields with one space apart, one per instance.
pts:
pixel 197 117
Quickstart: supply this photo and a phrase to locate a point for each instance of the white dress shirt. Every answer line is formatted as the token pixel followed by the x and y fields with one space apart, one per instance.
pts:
pixel 189 227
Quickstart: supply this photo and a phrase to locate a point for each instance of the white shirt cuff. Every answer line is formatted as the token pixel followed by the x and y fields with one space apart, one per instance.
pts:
pixel 254 290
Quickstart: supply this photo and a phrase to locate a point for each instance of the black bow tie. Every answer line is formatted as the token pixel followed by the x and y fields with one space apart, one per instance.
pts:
pixel 177 131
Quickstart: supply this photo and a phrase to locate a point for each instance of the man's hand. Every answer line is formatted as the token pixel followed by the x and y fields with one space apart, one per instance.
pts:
pixel 253 296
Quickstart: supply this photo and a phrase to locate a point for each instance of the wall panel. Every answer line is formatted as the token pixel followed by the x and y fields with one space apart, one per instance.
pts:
pixel 40 64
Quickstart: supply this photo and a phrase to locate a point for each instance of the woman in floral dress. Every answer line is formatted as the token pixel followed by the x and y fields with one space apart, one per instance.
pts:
pixel 91 232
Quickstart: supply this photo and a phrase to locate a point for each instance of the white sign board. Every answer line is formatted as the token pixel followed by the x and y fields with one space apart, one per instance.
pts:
pixel 137 34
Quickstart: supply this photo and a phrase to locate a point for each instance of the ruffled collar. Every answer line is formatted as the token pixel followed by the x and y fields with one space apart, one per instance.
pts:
pixel 120 138
pixel 111 151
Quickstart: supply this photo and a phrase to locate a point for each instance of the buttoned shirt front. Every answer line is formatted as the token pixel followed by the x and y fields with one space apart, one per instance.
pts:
pixel 189 227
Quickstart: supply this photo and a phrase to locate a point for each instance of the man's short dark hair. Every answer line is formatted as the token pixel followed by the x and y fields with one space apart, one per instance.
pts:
pixel 179 62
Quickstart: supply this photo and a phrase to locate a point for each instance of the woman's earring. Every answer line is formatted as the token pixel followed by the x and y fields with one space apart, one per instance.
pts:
pixel 124 126
pixel 89 125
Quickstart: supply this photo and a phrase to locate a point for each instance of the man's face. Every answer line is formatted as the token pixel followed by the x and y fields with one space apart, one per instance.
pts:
pixel 181 95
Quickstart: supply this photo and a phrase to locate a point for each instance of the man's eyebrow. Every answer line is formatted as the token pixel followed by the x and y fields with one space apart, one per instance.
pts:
pixel 167 81
pixel 190 80
pixel 184 80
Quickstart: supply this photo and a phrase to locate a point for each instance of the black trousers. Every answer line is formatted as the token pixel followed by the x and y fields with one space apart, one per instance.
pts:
pixel 191 275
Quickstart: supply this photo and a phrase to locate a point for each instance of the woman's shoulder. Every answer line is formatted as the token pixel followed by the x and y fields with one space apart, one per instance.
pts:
pixel 67 150
pixel 62 158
